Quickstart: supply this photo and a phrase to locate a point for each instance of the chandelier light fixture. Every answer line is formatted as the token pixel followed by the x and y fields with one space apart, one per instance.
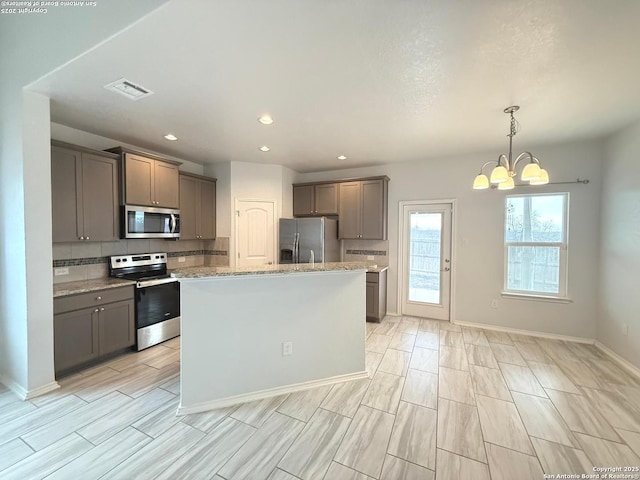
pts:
pixel 503 173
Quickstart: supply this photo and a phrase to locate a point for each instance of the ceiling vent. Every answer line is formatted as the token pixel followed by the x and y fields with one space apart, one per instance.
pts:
pixel 128 89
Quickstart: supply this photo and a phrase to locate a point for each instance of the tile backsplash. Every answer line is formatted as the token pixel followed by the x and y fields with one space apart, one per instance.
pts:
pixel 360 250
pixel 90 260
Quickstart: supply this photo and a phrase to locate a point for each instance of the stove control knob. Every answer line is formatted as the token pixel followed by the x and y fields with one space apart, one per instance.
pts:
pixel 117 260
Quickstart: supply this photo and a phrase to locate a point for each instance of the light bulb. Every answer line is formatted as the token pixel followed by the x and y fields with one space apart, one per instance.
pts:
pixel 499 174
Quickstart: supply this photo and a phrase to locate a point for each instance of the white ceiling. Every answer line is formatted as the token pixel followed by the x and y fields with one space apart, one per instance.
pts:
pixel 377 80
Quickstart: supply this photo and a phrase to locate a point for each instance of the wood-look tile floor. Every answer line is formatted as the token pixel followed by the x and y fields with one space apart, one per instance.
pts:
pixel 442 402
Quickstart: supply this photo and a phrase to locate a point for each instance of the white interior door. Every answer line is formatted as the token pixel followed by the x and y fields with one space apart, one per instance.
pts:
pixel 255 232
pixel 426 260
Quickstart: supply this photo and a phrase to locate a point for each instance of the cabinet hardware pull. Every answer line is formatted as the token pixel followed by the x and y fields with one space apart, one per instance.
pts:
pixel 102 309
pixel 81 238
pixel 98 298
pixel 87 238
pixel 96 310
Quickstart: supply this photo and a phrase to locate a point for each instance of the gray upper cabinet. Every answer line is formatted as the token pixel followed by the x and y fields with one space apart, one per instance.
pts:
pixel 303 202
pixel 315 200
pixel 197 207
pixel 166 185
pixel 326 199
pixel 350 213
pixel 83 194
pixel 363 209
pixel 148 179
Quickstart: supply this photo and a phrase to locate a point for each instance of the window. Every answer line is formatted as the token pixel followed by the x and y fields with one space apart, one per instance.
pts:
pixel 536 244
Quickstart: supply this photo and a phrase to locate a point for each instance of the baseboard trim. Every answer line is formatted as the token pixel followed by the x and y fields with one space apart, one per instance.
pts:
pixel 271 392
pixel 623 362
pixel 24 394
pixel 532 333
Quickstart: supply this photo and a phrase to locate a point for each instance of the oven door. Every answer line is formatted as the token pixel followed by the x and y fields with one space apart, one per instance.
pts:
pixel 157 312
pixel 157 303
pixel 150 222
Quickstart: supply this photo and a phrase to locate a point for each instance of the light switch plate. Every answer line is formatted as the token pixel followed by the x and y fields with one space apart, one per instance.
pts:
pixel 182 259
pixel 61 271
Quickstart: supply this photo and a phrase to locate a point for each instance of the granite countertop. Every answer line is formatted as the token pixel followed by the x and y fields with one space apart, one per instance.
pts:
pixel 85 286
pixel 376 268
pixel 203 272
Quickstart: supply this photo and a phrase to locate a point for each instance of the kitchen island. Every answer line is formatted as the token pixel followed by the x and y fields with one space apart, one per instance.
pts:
pixel 256 332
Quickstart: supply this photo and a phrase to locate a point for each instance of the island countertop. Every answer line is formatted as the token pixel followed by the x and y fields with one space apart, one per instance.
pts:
pixel 205 272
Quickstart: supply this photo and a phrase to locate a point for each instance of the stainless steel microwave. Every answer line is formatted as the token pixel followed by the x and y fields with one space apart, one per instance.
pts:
pixel 150 222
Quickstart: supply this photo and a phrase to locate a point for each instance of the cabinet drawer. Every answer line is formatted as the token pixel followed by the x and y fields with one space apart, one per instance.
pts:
pixel 92 299
pixel 373 277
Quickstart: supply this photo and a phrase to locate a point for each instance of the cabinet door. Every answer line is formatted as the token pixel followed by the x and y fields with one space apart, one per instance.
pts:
pixel 207 210
pixel 139 181
pixel 167 185
pixel 326 199
pixel 303 200
pixel 349 210
pixel 75 337
pixel 116 329
pixel 99 198
pixel 188 209
pixel 64 195
pixel 372 300
pixel 373 211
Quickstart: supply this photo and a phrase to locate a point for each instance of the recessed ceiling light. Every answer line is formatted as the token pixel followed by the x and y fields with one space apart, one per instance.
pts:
pixel 264 148
pixel 170 136
pixel 342 157
pixel 265 120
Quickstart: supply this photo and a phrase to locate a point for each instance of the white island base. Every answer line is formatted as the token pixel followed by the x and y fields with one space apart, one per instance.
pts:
pixel 234 326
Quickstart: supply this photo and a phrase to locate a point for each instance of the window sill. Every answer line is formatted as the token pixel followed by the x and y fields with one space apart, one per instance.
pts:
pixel 536 297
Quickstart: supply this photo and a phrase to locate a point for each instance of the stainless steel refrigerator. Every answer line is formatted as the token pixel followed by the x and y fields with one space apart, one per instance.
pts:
pixel 308 240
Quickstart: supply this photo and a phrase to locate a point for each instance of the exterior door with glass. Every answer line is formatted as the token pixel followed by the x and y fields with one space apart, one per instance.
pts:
pixel 426 260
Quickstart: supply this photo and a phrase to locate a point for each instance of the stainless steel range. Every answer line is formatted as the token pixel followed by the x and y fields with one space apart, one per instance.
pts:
pixel 157 296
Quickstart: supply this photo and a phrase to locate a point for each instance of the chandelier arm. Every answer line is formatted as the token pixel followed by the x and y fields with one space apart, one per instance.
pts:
pixel 502 157
pixel 532 159
pixel 485 164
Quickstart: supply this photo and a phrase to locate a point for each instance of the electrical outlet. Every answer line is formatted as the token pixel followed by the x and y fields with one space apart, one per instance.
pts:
pixel 625 329
pixel 182 259
pixel 61 271
pixel 494 303
pixel 287 348
pixel 370 257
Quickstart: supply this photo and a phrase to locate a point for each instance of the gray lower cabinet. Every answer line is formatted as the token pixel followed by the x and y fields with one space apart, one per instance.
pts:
pixel 91 325
pixel 84 194
pixel 376 295
pixel 363 209
pixel 197 207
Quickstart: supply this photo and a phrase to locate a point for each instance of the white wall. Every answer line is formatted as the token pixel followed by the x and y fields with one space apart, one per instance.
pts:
pixel 26 305
pixel 478 242
pixel 620 245
pixel 222 172
pixel 97 142
pixel 244 181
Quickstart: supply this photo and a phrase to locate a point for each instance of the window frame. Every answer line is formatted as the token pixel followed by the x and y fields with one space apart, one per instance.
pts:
pixel 563 259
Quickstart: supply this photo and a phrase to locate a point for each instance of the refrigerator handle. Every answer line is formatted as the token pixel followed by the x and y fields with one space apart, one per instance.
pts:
pixel 296 247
